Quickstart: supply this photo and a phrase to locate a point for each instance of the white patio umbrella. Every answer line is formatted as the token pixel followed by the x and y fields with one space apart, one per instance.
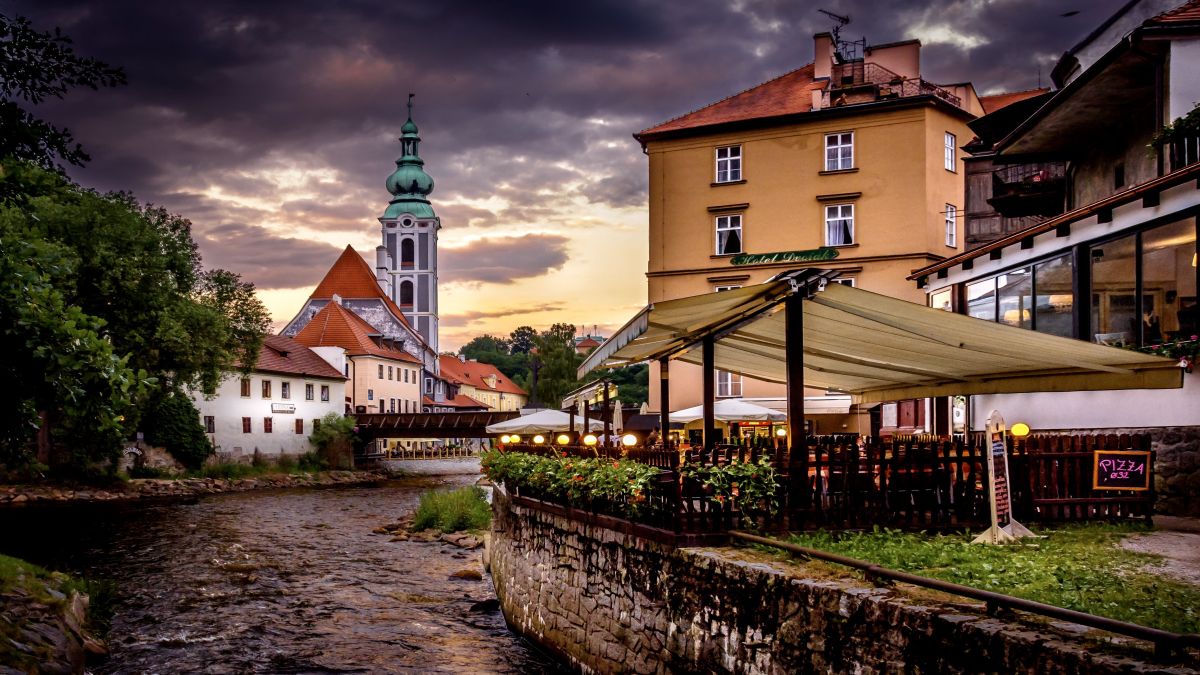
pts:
pixel 730 410
pixel 541 422
pixel 618 417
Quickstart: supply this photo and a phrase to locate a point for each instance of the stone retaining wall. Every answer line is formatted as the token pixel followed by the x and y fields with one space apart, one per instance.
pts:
pixel 148 488
pixel 609 603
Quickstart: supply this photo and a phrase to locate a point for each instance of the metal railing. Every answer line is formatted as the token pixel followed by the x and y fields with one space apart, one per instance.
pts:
pixel 1166 643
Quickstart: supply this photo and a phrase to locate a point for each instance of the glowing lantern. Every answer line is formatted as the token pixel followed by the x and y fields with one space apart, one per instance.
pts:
pixel 1020 430
pixel 563 439
pixel 589 440
pixel 629 440
pixel 539 439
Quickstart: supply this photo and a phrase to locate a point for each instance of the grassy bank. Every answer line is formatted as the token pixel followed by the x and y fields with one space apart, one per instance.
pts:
pixel 32 593
pixel 453 510
pixel 1081 567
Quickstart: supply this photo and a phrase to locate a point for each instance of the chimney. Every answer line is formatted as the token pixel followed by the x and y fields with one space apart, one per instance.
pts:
pixel 818 97
pixel 822 55
pixel 381 267
pixel 337 298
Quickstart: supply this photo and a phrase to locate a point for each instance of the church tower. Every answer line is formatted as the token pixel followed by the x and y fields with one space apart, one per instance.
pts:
pixel 406 262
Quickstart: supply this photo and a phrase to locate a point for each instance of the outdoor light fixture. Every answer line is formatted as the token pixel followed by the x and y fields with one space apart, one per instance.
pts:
pixel 589 440
pixel 515 438
pixel 539 439
pixel 504 438
pixel 781 432
pixel 628 440
pixel 563 439
pixel 1019 430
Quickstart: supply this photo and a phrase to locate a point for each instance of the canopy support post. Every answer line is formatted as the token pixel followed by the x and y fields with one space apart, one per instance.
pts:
pixel 710 393
pixel 797 460
pixel 664 401
pixel 607 416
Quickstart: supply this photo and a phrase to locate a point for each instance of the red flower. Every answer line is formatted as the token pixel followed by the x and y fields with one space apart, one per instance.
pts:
pixel 577 477
pixel 616 465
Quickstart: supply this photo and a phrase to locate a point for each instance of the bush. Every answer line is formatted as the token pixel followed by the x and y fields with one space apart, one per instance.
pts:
pixel 453 510
pixel 620 483
pixel 136 471
pixel 334 441
pixel 751 486
pixel 311 461
pixel 286 463
pixel 173 422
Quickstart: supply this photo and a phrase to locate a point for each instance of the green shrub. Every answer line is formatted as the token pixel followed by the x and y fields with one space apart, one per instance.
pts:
pixel 136 471
pixel 311 461
pixel 230 470
pixel 286 463
pixel 453 510
pixel 334 440
pixel 623 483
pixel 751 486
pixel 173 422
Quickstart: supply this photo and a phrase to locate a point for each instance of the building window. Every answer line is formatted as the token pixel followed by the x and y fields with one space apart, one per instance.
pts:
pixel 943 299
pixel 389 372
pixel 210 424
pixel 1054 302
pixel 266 389
pixel 406 376
pixel 839 225
pixel 951 226
pixel 951 153
pixel 407 253
pixel 370 394
pixel 729 235
pixel 316 425
pixel 406 294
pixel 1014 298
pixel 245 387
pixel 391 405
pixel 245 425
pixel 1038 297
pixel 308 392
pixel 843 281
pixel 324 392
pixel 299 426
pixel 285 390
pixel 429 385
pixel 839 151
pixel 720 289
pixel 381 371
pixel 728 385
pixel 268 425
pixel 729 164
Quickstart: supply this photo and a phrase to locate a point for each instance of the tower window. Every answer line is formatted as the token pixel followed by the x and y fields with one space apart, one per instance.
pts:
pixel 406 294
pixel 408 254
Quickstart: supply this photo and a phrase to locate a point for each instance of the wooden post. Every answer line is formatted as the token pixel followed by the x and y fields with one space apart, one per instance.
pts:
pixel 607 415
pixel 574 411
pixel 710 394
pixel 664 400
pixel 797 453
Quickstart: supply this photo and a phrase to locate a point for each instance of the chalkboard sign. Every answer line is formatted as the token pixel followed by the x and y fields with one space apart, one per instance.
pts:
pixel 1121 470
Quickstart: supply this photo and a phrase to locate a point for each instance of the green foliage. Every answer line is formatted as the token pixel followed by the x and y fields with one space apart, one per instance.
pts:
pixel 620 484
pixel 1187 126
pixel 522 340
pixel 35 67
pixel 310 462
pixel 556 351
pixel 37 582
pixel 753 487
pixel 334 440
pixel 633 382
pixel 148 472
pixel 1079 567
pixel 172 421
pixel 453 510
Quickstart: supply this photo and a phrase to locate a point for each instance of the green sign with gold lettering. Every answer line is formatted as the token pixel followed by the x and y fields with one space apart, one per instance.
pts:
pixel 811 255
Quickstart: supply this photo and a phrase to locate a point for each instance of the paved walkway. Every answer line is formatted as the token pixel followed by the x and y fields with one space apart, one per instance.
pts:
pixel 434 467
pixel 1177 540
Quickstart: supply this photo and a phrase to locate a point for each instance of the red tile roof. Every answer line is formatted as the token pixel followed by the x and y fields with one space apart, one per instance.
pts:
pixel 460 401
pixel 787 94
pixel 336 326
pixel 1185 13
pixel 994 102
pixel 475 374
pixel 352 277
pixel 282 354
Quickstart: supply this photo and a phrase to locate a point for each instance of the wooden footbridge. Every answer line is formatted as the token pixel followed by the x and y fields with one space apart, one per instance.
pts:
pixel 429 425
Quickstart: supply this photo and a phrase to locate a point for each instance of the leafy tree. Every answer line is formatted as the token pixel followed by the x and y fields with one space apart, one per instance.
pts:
pixel 334 440
pixel 557 375
pixel 521 340
pixel 484 345
pixel 173 422
pixel 36 66
pixel 61 373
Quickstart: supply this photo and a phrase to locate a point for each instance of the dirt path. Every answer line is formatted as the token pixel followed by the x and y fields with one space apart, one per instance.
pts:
pixel 1180 552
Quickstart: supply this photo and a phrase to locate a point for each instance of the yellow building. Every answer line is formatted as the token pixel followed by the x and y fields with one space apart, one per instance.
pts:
pixel 849 163
pixel 482 382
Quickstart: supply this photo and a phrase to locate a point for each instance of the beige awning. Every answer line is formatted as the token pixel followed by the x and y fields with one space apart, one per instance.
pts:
pixel 874 347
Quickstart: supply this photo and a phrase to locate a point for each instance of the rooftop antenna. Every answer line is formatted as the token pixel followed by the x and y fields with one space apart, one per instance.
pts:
pixel 847 50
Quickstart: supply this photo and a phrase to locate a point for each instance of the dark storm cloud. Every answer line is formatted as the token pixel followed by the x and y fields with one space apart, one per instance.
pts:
pixel 267 260
pixel 503 260
pixel 466 318
pixel 533 102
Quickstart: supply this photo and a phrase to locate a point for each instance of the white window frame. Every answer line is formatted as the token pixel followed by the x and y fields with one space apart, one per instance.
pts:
pixel 728 164
pixel 729 385
pixel 837 212
pixel 722 289
pixel 308 392
pixel 845 281
pixel 950 152
pixel 951 226
pixel 843 157
pixel 729 223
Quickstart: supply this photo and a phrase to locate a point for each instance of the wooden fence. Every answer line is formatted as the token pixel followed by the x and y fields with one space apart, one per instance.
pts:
pixel 917 482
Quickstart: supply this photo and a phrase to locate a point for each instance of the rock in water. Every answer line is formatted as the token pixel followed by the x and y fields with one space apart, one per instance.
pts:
pixel 486 606
pixel 468 575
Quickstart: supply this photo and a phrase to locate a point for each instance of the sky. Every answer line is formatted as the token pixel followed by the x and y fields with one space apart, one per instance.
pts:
pixel 272 125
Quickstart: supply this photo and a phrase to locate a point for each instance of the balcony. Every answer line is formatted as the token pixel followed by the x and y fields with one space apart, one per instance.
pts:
pixel 858 82
pixel 1036 189
pixel 1183 151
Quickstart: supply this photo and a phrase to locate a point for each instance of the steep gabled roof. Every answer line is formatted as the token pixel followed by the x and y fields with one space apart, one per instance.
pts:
pixel 352 278
pixel 1188 12
pixel 282 354
pixel 336 326
pixel 787 94
pixel 476 374
pixel 994 102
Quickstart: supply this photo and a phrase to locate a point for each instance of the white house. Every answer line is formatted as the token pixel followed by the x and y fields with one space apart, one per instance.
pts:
pixel 275 407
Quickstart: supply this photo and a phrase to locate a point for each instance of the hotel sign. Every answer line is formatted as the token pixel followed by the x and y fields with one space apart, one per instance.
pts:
pixel 287 408
pixel 811 255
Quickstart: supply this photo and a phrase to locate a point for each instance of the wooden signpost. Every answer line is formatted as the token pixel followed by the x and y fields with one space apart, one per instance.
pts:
pixel 1004 529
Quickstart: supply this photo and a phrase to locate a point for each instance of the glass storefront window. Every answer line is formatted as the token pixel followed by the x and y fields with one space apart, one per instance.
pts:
pixel 941 300
pixel 1052 312
pixel 1114 305
pixel 1014 291
pixel 1169 282
pixel 981 299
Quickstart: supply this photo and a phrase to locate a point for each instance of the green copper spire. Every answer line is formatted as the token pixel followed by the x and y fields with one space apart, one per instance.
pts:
pixel 409 184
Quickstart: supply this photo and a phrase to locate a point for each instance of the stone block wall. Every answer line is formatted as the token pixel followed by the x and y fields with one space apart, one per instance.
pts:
pixel 612 603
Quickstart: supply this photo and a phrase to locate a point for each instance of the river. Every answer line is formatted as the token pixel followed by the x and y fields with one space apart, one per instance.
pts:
pixel 287 581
